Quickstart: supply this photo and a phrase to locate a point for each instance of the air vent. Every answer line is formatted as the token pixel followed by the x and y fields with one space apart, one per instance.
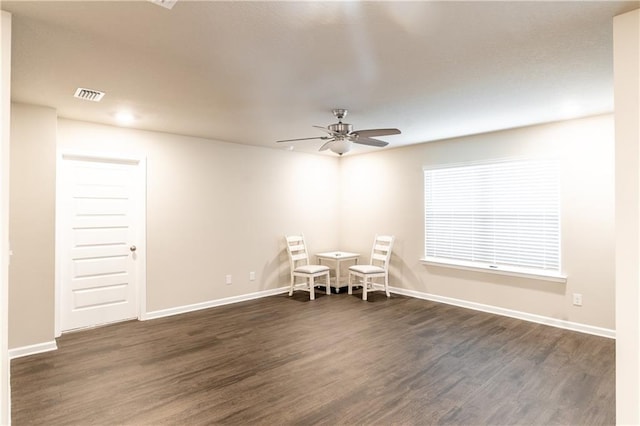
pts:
pixel 88 94
pixel 167 4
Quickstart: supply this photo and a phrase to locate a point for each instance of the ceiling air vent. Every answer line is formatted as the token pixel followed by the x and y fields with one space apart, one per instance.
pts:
pixel 168 4
pixel 88 94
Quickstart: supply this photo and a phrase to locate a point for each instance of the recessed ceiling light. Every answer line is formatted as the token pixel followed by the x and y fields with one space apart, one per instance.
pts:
pixel 570 109
pixel 125 117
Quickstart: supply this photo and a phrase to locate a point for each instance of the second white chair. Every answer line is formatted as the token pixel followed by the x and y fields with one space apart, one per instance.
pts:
pixel 300 267
pixel 378 267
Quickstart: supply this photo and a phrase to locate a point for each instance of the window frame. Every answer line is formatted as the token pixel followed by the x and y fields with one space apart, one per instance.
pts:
pixel 511 270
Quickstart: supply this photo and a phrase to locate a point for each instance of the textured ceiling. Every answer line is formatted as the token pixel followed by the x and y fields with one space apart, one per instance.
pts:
pixel 256 72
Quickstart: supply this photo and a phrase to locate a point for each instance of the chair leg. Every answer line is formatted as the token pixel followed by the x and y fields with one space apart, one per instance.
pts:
pixel 312 286
pixel 291 286
pixel 365 283
pixel 386 285
pixel 328 291
pixel 349 288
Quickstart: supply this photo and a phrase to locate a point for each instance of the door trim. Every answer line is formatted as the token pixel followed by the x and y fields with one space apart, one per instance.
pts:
pixel 141 241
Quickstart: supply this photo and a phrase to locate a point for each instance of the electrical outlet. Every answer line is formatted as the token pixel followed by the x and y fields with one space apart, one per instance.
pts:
pixel 577 299
pixel 252 276
pixel 228 279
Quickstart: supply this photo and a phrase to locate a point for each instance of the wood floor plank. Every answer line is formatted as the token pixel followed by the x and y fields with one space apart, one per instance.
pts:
pixel 336 360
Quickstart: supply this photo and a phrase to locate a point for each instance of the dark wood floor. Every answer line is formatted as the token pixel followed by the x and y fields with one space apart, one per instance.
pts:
pixel 335 360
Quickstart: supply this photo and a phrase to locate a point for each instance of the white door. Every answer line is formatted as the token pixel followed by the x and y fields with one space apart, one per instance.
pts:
pixel 99 248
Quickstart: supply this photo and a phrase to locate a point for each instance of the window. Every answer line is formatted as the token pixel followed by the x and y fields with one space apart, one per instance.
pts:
pixel 502 216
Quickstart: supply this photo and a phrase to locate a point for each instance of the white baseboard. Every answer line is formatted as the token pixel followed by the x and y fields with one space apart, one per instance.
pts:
pixel 212 303
pixel 32 349
pixel 554 322
pixel 52 346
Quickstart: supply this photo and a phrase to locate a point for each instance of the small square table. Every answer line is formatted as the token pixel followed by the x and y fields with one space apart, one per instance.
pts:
pixel 337 257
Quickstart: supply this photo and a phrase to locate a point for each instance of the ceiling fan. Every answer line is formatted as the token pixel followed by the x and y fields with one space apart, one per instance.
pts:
pixel 342 136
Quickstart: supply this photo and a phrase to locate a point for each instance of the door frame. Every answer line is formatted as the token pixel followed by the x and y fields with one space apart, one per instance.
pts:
pixel 140 220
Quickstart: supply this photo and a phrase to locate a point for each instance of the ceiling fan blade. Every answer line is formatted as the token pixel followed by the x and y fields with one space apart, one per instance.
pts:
pixel 369 141
pixel 326 145
pixel 375 132
pixel 304 139
pixel 324 129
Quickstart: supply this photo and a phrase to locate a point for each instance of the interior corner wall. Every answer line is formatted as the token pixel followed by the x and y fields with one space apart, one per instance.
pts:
pixel 383 192
pixel 626 65
pixel 31 225
pixel 217 209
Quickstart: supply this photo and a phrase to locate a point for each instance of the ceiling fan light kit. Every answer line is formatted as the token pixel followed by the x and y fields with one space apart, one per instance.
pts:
pixel 340 146
pixel 342 136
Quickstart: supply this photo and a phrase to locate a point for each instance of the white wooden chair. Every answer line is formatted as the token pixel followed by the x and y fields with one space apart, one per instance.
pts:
pixel 378 267
pixel 300 267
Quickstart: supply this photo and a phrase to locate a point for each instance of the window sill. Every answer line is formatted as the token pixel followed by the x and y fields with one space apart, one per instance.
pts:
pixel 500 270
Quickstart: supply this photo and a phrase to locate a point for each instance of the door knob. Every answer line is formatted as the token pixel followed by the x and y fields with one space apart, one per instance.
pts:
pixel 133 248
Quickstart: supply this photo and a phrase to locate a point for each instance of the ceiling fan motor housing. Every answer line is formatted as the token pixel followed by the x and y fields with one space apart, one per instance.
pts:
pixel 341 128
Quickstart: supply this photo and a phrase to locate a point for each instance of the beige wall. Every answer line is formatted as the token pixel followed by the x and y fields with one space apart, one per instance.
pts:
pixel 212 209
pixel 383 193
pixel 5 125
pixel 31 225
pixel 626 36
pixel 217 208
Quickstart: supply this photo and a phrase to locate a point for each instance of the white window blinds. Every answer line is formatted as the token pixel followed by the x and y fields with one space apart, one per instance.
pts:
pixel 492 215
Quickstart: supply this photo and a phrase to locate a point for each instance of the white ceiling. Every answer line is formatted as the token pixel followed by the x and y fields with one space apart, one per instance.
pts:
pixel 256 72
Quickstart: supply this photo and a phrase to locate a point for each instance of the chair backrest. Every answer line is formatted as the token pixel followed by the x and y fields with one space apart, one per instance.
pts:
pixel 381 251
pixel 297 251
